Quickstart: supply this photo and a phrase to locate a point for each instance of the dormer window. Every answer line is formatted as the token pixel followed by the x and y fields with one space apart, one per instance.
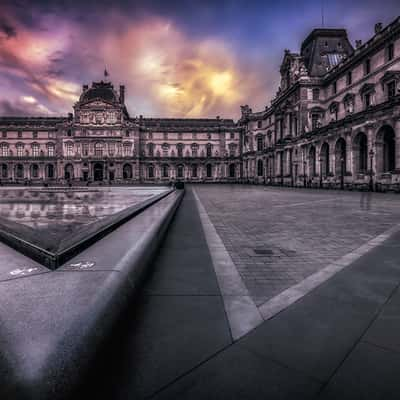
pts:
pixel 367 100
pixel 260 143
pixel 349 78
pixel 366 93
pixel 390 52
pixel 334 87
pixel 367 66
pixel 259 124
pixel 391 89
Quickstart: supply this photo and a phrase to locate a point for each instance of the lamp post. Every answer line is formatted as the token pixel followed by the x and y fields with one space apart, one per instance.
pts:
pixel 320 172
pixel 342 172
pixel 371 183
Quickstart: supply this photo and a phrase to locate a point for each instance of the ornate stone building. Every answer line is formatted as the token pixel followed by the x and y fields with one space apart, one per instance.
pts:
pixel 335 121
pixel 101 142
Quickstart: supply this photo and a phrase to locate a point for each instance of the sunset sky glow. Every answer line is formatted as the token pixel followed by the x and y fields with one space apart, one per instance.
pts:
pixel 176 58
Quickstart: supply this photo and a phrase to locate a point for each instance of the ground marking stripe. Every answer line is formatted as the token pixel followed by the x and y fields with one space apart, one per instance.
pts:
pixel 243 315
pixel 296 292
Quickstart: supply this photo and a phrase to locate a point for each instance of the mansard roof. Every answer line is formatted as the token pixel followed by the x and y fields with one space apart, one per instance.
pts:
pixel 187 122
pixel 323 49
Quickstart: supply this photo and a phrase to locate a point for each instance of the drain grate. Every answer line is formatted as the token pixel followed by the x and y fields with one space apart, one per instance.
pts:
pixel 263 252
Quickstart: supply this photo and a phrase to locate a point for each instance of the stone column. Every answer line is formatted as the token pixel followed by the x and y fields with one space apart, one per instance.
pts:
pixel 349 154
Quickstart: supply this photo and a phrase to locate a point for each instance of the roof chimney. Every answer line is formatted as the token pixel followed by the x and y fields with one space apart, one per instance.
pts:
pixel 122 94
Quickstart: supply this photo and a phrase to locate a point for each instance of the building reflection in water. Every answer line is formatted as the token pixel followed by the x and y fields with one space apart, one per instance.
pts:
pixel 41 208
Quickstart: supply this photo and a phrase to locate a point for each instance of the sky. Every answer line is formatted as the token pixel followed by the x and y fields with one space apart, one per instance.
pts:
pixel 176 58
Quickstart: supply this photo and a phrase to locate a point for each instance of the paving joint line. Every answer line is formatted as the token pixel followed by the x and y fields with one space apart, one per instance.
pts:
pixel 242 313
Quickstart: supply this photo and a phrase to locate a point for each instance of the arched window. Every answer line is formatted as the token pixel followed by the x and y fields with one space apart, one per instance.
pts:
pixel 98 149
pixel 50 150
pixel 34 171
pixel 35 150
pixel 20 150
pixel 4 150
pixel 232 170
pixel 260 168
pixel 127 171
pixel 209 170
pixel 151 171
pixel 194 171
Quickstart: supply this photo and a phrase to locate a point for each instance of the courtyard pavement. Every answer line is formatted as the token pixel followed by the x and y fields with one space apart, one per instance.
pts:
pixel 278 237
pixel 340 340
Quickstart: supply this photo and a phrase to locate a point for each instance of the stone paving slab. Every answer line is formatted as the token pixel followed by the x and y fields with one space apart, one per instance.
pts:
pixel 278 237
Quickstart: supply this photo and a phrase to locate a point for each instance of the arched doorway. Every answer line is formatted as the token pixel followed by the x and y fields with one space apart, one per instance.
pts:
pixel 98 172
pixel 325 159
pixel 360 153
pixel 209 171
pixel 232 170
pixel 312 161
pixel 69 172
pixel 386 149
pixel 127 171
pixel 340 157
pixel 260 168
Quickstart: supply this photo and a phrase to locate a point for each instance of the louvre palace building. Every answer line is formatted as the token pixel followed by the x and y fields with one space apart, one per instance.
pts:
pixel 334 123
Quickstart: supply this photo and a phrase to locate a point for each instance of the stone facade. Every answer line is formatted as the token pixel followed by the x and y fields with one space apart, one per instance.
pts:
pixel 335 121
pixel 101 142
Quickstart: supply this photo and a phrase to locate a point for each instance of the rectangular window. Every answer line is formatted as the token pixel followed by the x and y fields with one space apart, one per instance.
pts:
pixel 391 88
pixel 111 149
pixel 70 150
pixel 127 150
pixel 367 100
pixel 85 149
pixel 315 94
pixel 4 134
pixel 165 136
pixel 34 135
pixel 209 154
pixel 259 144
pixel 314 121
pixel 367 66
pixel 4 150
pixel 349 79
pixel 390 52
pixel 20 151
pixel 233 135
